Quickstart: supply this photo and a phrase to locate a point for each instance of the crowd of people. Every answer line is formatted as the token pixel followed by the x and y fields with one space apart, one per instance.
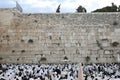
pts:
pixel 59 71
pixel 38 72
pixel 102 71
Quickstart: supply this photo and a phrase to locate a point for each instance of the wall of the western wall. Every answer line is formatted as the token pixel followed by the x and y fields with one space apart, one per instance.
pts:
pixel 26 38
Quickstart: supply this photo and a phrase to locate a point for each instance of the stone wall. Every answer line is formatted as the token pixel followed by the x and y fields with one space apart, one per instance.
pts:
pixel 26 38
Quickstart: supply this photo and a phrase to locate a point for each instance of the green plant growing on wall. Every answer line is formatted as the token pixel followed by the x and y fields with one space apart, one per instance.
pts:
pixel 99 44
pixel 22 51
pixel 65 58
pixel 115 23
pixel 97 58
pixel 13 51
pixel 18 59
pixel 114 44
pixel 30 41
pixel 43 59
pixel 1 58
pixel 87 59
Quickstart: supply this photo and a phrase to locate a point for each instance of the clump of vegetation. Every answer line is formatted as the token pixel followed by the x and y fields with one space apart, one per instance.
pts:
pixel 96 58
pixel 115 23
pixel 50 37
pixel 114 44
pixel 17 59
pixel 13 51
pixel 99 44
pixel 87 59
pixel 30 41
pixel 65 58
pixel 35 21
pixel 1 58
pixel 22 51
pixel 22 40
pixel 43 59
pixel 112 8
pixel 105 39
pixel 81 9
pixel 77 51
